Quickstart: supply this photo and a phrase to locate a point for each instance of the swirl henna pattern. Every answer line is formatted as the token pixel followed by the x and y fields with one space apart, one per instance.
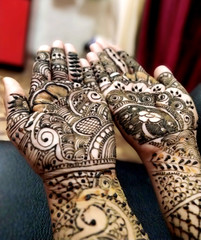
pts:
pixel 158 114
pixel 66 133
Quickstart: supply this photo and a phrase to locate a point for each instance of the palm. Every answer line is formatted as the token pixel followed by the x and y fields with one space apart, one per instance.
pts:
pixel 64 125
pixel 145 108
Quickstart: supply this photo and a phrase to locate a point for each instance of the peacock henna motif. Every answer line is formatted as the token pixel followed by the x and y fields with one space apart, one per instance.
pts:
pixel 160 114
pixel 65 131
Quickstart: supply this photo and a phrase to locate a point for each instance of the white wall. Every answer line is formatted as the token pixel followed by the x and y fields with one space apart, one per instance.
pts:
pixel 75 21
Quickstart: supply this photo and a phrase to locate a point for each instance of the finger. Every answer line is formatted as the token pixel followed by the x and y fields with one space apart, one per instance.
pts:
pixel 11 86
pixel 102 43
pixel 74 68
pixel 41 69
pixel 84 63
pixel 136 71
pixel 108 57
pixel 96 65
pixel 161 69
pixel 132 65
pixel 175 89
pixel 41 66
pixel 114 47
pixel 125 62
pixel 112 51
pixel 101 75
pixel 88 75
pixel 166 77
pixel 58 86
pixel 131 70
pixel 58 62
pixel 113 74
pixel 17 109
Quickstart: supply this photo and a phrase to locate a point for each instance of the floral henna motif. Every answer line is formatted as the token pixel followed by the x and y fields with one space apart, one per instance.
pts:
pixel 158 113
pixel 65 131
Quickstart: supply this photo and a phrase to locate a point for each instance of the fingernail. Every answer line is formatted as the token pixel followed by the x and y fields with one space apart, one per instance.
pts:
pixel 84 62
pixel 91 56
pixel 95 48
pixel 44 48
pixel 69 47
pixel 58 44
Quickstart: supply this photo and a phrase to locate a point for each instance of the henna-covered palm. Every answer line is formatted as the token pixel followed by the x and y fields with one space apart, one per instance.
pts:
pixel 144 108
pixel 65 131
pixel 64 124
pixel 159 119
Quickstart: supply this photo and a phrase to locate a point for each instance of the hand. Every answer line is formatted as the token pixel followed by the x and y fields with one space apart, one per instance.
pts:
pixel 65 131
pixel 145 109
pixel 64 124
pixel 158 118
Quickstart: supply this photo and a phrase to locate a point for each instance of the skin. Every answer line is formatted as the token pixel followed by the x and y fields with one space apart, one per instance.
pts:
pixel 158 118
pixel 65 131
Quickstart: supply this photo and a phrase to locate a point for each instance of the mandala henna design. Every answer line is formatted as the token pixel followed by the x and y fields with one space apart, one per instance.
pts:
pixel 65 131
pixel 161 114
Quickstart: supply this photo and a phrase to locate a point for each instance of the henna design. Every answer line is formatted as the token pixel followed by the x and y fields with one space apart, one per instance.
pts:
pixel 59 65
pixel 89 78
pixel 41 71
pixel 75 130
pixel 177 178
pixel 65 131
pixel 161 114
pixel 74 67
pixel 81 217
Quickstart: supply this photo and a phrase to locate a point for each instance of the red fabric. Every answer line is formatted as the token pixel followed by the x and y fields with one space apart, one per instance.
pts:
pixel 172 18
pixel 164 38
pixel 13 25
pixel 188 67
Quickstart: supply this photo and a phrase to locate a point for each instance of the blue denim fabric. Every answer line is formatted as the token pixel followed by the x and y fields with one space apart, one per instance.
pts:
pixel 142 200
pixel 24 213
pixel 196 95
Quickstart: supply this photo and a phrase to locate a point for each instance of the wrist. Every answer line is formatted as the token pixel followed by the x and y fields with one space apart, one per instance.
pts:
pixel 67 186
pixel 77 166
pixel 85 201
pixel 178 149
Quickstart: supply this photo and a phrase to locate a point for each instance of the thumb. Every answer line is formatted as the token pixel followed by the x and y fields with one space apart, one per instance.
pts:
pixel 17 109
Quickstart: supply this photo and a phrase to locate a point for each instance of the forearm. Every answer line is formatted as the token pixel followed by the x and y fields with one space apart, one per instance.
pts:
pixel 91 204
pixel 175 173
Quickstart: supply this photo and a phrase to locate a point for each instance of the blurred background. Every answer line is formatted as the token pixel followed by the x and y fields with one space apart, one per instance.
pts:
pixel 153 31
